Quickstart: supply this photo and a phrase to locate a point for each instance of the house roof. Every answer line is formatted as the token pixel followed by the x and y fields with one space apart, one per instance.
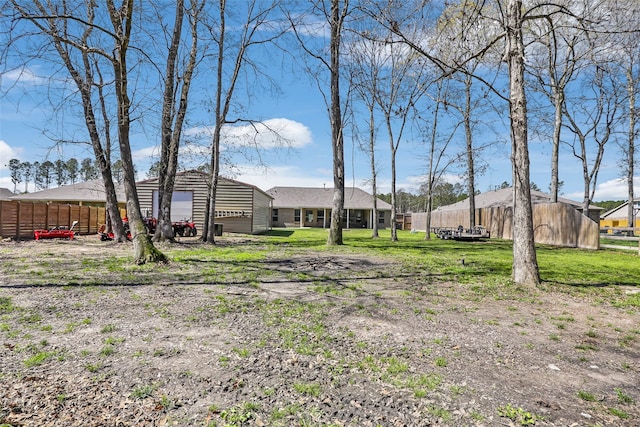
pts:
pixel 310 197
pixel 619 212
pixel 88 191
pixel 504 197
pixel 5 193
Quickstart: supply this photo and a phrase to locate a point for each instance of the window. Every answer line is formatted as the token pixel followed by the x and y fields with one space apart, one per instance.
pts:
pixel 296 215
pixel 274 215
pixel 381 217
pixel 308 214
pixel 320 215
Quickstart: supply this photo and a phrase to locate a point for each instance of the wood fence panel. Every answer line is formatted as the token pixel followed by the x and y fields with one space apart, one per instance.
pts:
pixel 18 219
pixel 555 224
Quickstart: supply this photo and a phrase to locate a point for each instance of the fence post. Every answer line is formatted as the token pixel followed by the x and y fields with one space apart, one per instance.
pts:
pixel 18 219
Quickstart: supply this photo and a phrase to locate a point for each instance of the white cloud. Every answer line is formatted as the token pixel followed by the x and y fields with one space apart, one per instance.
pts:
pixel 145 153
pixel 266 135
pixel 283 176
pixel 7 153
pixel 24 75
pixel 615 189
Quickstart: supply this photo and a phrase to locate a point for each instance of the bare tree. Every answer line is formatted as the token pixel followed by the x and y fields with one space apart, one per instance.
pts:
pixel 122 21
pixel 81 54
pixel 228 69
pixel 525 263
pixel 592 119
pixel 335 13
pixel 402 84
pixel 174 109
pixel 50 24
pixel 553 68
pixel 364 79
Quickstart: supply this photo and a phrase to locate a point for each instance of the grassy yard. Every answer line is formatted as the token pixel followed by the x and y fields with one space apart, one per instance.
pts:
pixel 280 329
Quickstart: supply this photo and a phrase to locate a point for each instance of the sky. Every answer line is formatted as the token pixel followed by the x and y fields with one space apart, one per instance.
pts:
pixel 29 125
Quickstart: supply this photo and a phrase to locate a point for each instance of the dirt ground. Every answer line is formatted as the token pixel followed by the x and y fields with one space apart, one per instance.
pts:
pixel 316 338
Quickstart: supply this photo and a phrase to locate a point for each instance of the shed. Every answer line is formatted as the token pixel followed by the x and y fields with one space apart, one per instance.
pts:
pixel 240 207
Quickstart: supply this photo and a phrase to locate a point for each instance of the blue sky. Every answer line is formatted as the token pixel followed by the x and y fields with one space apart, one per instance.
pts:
pixel 28 123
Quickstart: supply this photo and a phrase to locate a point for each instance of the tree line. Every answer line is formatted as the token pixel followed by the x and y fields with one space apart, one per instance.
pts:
pixel 443 76
pixel 45 174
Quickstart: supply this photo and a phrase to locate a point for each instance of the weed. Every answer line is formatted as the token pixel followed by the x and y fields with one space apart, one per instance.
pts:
pixel 441 362
pixel 108 329
pixel 619 413
pixel 554 337
pixel 624 398
pixel 38 359
pixel 142 392
pixel 584 395
pixel 439 412
pixel 592 334
pixel 107 350
pixel 241 352
pixel 518 415
pixel 312 389
pixel 224 361
pixel 239 415
pixel 587 347
pixel 93 367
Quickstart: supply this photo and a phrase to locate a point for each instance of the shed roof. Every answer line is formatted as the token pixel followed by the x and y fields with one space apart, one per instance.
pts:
pixel 311 197
pixel 88 191
pixel 504 197
pixel 205 176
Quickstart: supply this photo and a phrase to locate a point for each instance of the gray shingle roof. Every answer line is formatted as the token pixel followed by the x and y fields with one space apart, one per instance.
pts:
pixel 309 197
pixel 504 197
pixel 89 191
pixel 5 193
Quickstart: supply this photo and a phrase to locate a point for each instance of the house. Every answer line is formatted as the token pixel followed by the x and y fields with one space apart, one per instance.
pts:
pixel 5 194
pixel 311 207
pixel 560 224
pixel 240 207
pixel 88 193
pixel 619 216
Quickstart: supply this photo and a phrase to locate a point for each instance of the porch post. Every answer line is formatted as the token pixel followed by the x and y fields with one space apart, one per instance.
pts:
pixel 348 219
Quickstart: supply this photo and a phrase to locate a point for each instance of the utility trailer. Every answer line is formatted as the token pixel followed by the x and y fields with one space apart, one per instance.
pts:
pixel 478 232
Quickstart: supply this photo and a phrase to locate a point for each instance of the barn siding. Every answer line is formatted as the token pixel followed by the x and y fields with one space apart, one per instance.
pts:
pixel 235 204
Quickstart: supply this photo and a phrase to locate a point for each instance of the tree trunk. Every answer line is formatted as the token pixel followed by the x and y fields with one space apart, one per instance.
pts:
pixel 471 183
pixel 394 202
pixel 525 265
pixel 337 140
pixel 558 97
pixel 144 251
pixel 168 152
pixel 374 175
pixel 631 151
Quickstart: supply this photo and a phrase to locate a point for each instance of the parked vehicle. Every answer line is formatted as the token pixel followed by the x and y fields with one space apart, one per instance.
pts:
pixel 184 228
pixel 478 232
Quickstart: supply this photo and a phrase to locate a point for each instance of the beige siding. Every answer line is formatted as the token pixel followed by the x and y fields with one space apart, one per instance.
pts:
pixel 238 208
pixel 261 212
